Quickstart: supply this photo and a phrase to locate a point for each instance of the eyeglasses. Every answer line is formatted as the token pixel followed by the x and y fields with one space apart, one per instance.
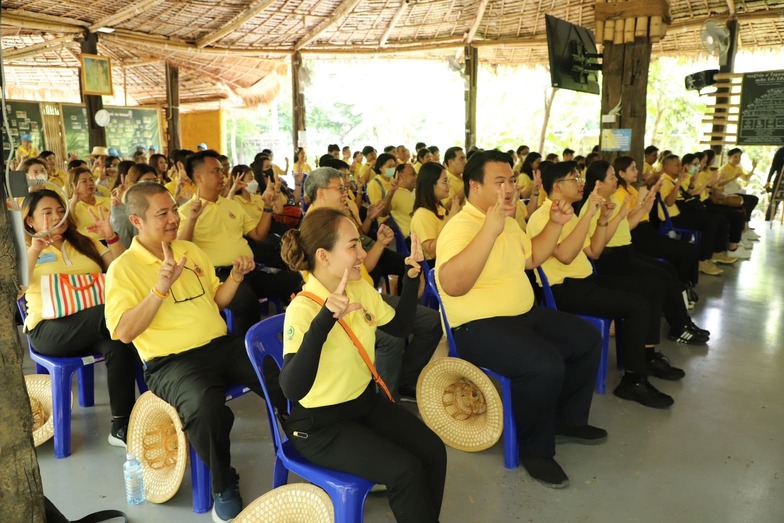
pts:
pixel 575 179
pixel 183 300
pixel 341 188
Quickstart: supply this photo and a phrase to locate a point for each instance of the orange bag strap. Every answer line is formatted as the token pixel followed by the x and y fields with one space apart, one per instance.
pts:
pixel 357 344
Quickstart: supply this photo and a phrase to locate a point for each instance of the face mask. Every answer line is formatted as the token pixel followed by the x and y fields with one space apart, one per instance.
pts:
pixel 693 169
pixel 389 172
pixel 41 177
pixel 252 187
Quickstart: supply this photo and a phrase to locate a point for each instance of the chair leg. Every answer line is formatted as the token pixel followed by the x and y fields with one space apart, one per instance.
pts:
pixel 86 386
pixel 40 369
pixel 201 480
pixel 349 503
pixel 141 384
pixel 601 375
pixel 61 410
pixel 280 474
pixel 511 445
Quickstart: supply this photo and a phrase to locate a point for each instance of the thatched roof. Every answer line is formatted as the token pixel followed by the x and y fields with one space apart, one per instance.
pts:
pixel 240 49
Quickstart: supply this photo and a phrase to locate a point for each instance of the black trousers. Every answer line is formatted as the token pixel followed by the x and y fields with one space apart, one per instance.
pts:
pixel 85 333
pixel 594 296
pixel 736 219
pixel 749 204
pixel 714 229
pixel 258 284
pixel 550 356
pixel 684 256
pixel 195 382
pixel 624 261
pixel 380 441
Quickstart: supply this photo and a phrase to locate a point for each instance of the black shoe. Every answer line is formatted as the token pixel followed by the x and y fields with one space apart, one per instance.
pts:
pixel 688 336
pixel 692 294
pixel 584 435
pixel 638 388
pixel 545 470
pixel 660 367
pixel 693 326
pixel 119 434
pixel 407 394
pixel 228 504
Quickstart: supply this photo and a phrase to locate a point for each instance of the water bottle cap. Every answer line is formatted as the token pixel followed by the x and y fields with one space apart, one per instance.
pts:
pixel 130 456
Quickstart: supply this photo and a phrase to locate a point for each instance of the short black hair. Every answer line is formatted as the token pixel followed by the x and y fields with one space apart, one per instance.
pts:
pixel 196 160
pixel 522 148
pixel 45 154
pixel 333 147
pixel 475 168
pixel 554 172
pixel 420 145
pixel 688 158
pixel 390 148
pixel 651 149
pixel 327 160
pixel 567 151
pixel 433 149
pixel 734 151
pixel 451 153
pixel 368 149
pixel 381 160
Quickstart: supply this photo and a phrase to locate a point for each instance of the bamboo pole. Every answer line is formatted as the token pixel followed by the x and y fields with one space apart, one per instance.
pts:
pixel 618 36
pixel 609 27
pixel 599 27
pixel 628 30
pixel 641 27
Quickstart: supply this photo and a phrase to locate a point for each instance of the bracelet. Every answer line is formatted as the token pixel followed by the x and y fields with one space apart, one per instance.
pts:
pixel 535 194
pixel 158 294
pixel 599 224
pixel 113 240
pixel 235 280
pixel 297 184
pixel 267 211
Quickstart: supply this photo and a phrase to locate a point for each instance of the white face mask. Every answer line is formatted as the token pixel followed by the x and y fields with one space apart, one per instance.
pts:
pixel 389 172
pixel 252 187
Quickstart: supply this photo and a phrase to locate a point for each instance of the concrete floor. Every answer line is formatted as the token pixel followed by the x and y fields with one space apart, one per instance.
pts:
pixel 716 456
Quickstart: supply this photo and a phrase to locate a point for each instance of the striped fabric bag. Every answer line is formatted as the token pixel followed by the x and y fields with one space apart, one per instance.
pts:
pixel 66 294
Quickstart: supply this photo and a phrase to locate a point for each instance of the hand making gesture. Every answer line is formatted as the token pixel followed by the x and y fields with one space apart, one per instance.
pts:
pixel 454 207
pixel 561 212
pixel 384 235
pixel 242 266
pixel 237 185
pixel 169 271
pixel 595 201
pixel 338 303
pixel 197 207
pixel 100 225
pixel 41 243
pixel 495 217
pixel 415 258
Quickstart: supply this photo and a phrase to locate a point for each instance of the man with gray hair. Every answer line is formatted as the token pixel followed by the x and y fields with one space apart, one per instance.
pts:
pixel 399 361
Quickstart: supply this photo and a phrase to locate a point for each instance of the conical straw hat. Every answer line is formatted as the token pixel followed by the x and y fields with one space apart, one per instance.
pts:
pixel 295 503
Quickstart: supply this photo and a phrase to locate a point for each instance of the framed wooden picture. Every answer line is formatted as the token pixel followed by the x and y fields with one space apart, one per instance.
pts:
pixel 96 75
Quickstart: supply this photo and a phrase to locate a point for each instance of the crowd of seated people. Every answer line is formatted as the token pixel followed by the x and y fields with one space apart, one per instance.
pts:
pixel 186 236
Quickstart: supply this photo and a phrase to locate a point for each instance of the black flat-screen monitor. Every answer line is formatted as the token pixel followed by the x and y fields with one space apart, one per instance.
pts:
pixel 572 52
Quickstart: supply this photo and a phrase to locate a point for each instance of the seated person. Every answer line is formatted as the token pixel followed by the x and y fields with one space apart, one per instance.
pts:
pixel 383 186
pixel 423 156
pixel 578 290
pixel 454 161
pixel 85 204
pixel 180 186
pixel 528 170
pixel 66 251
pixel 301 165
pixel 550 356
pixel 399 359
pixel 163 296
pixel 217 225
pixel 402 204
pixel 36 173
pixel 139 172
pixel 430 215
pixel 56 175
pixel 620 258
pixel 338 420
pixel 161 165
pixel 731 173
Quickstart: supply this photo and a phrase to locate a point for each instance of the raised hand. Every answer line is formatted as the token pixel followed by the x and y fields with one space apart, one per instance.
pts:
pixel 416 256
pixel 242 266
pixel 607 209
pixel 624 211
pixel 197 207
pixel 298 177
pixel 385 235
pixel 537 180
pixel 238 184
pixel 170 270
pixel 39 244
pixel 338 303
pixel 374 210
pixel 454 207
pixel 394 184
pixel 561 212
pixel 595 201
pixel 100 225
pixel 495 217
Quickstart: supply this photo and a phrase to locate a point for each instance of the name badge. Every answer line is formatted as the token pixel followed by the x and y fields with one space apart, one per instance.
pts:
pixel 46 257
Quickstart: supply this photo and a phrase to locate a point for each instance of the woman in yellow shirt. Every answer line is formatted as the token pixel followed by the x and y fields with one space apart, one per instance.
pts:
pixel 301 165
pixel 430 214
pixel 85 204
pixel 64 250
pixel 339 421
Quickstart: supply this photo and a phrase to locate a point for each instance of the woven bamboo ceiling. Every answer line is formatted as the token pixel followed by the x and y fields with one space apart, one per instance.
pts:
pixel 240 49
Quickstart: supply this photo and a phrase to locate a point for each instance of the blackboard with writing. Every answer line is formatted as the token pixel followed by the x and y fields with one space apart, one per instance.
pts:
pixel 23 118
pixel 127 128
pixel 762 109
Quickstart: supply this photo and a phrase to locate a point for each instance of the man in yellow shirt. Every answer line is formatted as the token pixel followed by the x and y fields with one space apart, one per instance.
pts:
pixel 163 295
pixel 218 226
pixel 366 172
pixel 56 175
pixel 26 150
pixel 651 154
pixel 551 357
pixel 402 204
pixel 454 161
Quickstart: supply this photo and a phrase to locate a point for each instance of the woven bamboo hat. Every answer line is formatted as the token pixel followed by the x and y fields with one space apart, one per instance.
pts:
pixel 156 438
pixel 39 389
pixel 460 404
pixel 295 503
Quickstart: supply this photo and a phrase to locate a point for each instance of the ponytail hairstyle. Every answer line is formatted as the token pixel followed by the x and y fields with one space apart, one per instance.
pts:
pixel 319 230
pixel 79 241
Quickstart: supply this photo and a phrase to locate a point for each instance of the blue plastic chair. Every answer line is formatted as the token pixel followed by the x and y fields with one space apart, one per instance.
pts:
pixel 62 369
pixel 348 492
pixel 602 324
pixel 666 226
pixel 511 445
pixel 400 240
pixel 201 479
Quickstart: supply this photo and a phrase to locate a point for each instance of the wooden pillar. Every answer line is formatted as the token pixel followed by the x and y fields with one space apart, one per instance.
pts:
pixel 173 107
pixel 297 100
pixel 93 104
pixel 471 70
pixel 726 65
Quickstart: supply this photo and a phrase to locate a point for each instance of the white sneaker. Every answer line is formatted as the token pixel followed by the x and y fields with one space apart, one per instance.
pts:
pixel 751 236
pixel 746 244
pixel 739 253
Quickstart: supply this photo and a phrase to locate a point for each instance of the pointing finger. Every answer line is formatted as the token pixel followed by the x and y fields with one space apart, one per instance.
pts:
pixel 341 289
pixel 167 252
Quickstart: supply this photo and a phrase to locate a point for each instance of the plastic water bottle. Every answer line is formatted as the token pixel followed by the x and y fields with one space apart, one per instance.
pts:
pixel 134 480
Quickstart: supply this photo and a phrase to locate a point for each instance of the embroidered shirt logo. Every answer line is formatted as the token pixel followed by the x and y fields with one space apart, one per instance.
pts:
pixel 290 333
pixel 232 216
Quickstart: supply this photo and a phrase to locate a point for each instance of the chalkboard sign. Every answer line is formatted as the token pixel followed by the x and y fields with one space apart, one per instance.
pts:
pixel 127 128
pixel 23 118
pixel 762 109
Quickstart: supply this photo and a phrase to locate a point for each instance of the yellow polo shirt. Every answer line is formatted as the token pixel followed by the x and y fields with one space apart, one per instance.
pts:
pixel 181 324
pixel 699 179
pixel 277 171
pixel 555 270
pixel 426 224
pixel 253 205
pixel 83 218
pixel 23 152
pixel 455 188
pixel 524 182
pixel 726 172
pixel 59 177
pixel 54 261
pixel 366 170
pixel 521 214
pixel 374 188
pixel 302 168
pixel 402 207
pixel 502 288
pixel 187 191
pixel 623 234
pixel 647 170
pixel 220 229
pixel 667 187
pixel 632 198
pixel 342 374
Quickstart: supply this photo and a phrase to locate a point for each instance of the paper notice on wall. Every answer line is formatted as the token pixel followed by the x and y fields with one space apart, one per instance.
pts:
pixel 616 139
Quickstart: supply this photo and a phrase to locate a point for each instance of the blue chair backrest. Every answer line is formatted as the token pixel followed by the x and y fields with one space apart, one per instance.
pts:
pixel 400 240
pixel 665 212
pixel 264 340
pixel 549 299
pixel 431 282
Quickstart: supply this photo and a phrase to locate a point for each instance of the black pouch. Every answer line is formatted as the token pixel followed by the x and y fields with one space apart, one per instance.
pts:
pixel 55 516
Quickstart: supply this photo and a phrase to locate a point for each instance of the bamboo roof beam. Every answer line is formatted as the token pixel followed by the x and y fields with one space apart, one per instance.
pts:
pixel 41 22
pixel 393 23
pixel 731 7
pixel 480 13
pixel 254 8
pixel 35 49
pixel 163 44
pixel 343 9
pixel 122 15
